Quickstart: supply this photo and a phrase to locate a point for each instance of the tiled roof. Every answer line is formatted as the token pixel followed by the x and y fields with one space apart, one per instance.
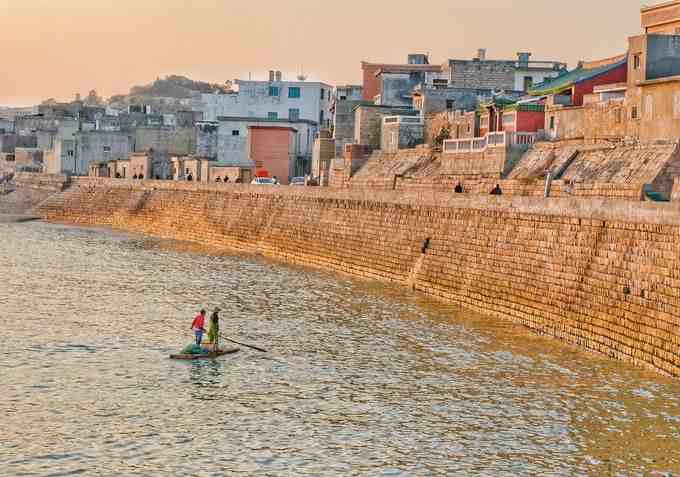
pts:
pixel 565 81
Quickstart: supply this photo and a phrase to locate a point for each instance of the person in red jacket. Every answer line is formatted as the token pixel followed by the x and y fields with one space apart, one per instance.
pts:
pixel 198 325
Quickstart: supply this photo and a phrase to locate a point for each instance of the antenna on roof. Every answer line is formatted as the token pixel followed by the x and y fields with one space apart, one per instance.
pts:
pixel 301 76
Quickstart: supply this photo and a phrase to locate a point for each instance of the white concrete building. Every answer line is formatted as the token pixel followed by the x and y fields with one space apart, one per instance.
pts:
pixel 273 99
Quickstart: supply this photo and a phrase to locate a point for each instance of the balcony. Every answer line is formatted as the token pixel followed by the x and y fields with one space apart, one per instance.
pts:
pixel 492 140
pixel 402 120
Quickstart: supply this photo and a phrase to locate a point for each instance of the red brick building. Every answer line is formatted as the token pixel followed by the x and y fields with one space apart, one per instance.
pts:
pixel 272 149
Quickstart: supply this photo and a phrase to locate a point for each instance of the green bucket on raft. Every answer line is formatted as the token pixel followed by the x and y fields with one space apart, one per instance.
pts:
pixel 194 349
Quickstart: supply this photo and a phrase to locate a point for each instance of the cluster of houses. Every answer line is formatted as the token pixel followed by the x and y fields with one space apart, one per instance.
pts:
pixel 295 128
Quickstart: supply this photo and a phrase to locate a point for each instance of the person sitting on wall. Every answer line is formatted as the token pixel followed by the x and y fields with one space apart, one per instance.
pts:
pixel 140 177
pixel 190 178
pixel 134 177
pixel 458 189
pixel 275 179
pixel 497 190
pixel 226 178
pixel 238 180
pixel 158 177
pixel 219 179
pixel 117 175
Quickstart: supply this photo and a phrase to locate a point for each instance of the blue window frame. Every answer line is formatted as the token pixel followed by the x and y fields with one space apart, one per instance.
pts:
pixel 293 92
pixel 293 114
pixel 272 115
pixel 273 91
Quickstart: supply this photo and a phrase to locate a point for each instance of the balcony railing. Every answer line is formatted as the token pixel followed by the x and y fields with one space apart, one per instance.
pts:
pixel 491 140
pixel 401 120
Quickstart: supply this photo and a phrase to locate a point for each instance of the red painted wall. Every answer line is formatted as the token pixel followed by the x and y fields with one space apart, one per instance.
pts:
pixel 617 75
pixel 530 121
pixel 271 146
pixel 372 85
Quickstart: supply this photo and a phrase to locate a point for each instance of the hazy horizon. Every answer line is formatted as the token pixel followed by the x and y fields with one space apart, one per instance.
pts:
pixel 60 50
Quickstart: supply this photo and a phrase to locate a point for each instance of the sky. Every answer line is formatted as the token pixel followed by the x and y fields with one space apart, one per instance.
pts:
pixel 56 48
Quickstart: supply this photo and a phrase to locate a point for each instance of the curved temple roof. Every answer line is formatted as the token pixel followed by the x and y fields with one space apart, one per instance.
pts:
pixel 565 81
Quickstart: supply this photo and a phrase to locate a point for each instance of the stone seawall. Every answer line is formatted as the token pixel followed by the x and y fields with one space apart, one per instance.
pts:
pixel 603 275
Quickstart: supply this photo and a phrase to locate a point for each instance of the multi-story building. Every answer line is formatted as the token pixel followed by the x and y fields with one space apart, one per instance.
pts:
pixel 273 99
pixel 506 75
pixel 233 139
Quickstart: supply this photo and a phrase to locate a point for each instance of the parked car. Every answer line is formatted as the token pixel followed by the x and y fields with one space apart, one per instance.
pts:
pixel 263 181
pixel 297 181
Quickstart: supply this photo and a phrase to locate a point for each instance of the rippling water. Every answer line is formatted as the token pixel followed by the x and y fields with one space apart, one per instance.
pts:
pixel 362 379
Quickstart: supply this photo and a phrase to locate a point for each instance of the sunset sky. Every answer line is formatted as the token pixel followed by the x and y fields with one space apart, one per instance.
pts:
pixel 55 48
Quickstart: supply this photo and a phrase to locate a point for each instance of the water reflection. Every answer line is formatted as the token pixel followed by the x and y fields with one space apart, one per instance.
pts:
pixel 362 378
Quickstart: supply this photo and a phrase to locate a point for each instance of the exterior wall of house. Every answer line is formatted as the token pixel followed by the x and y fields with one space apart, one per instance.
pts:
pixel 562 123
pixel 397 88
pixel 368 123
pixel 344 123
pixel 662 56
pixel 616 75
pixel 253 99
pixel 6 126
pixel 536 75
pixel 271 148
pixel 608 119
pixel 438 100
pixel 400 135
pixel 62 157
pixel 28 157
pixel 529 121
pixel 94 146
pixel 140 165
pixel 371 84
pixel 324 151
pixel 9 142
pixel 207 133
pixel 658 104
pixel 232 140
pixel 169 140
pixel 663 18
pixel 482 74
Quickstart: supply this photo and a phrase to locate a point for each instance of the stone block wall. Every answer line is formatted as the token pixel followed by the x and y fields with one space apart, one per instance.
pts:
pixel 602 275
pixel 46 182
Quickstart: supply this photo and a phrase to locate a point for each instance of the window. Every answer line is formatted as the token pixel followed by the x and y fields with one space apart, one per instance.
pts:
pixel 617 116
pixel 469 127
pixel 321 117
pixel 235 132
pixel 636 62
pixel 107 148
pixel 274 91
pixel 450 103
pixel 293 114
pixel 634 112
pixel 293 92
pixel 323 93
pixel 528 82
pixel 69 153
pixel 343 98
pixel 272 115
pixel 552 122
pixel 509 118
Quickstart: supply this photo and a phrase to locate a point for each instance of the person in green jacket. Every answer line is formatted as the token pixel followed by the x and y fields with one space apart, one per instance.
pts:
pixel 214 332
